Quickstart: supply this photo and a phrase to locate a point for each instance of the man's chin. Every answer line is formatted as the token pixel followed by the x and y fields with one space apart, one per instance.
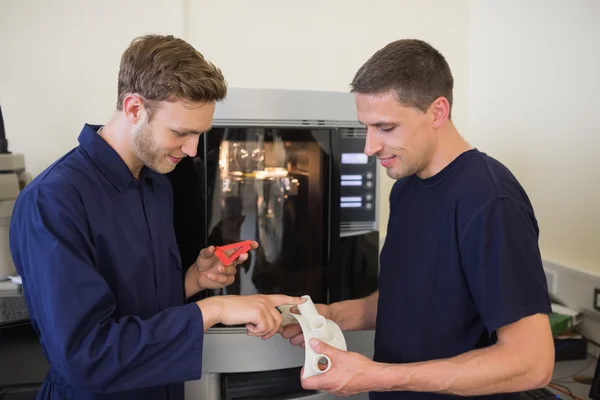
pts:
pixel 162 169
pixel 395 174
pixel 166 170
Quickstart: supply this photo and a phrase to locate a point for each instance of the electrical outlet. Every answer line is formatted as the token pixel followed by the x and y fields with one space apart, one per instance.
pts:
pixel 597 299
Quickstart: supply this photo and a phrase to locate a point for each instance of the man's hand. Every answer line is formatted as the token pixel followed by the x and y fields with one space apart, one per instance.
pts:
pixel 350 373
pixel 293 332
pixel 257 312
pixel 208 272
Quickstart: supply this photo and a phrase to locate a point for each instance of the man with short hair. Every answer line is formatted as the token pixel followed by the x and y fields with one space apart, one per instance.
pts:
pixel 93 239
pixel 462 302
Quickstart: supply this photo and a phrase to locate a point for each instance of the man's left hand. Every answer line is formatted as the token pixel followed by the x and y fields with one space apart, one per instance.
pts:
pixel 208 272
pixel 349 373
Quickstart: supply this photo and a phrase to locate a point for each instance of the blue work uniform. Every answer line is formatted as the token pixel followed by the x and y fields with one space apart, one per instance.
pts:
pixel 460 260
pixel 103 279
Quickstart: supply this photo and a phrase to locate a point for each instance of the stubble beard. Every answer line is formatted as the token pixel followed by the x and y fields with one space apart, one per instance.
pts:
pixel 146 149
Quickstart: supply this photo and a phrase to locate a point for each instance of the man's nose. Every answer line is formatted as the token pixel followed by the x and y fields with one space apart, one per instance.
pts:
pixel 190 147
pixel 372 144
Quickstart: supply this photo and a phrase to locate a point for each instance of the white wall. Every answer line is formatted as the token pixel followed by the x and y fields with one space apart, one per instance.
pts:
pixel 529 71
pixel 59 66
pixel 59 62
pixel 534 83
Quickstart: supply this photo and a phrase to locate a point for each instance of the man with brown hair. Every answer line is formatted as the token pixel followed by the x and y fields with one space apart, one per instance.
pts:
pixel 93 239
pixel 462 302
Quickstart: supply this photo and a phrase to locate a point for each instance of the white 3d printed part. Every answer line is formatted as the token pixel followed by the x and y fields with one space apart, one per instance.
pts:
pixel 314 325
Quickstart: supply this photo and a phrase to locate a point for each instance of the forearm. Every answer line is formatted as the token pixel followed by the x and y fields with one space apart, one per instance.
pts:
pixel 354 315
pixel 492 370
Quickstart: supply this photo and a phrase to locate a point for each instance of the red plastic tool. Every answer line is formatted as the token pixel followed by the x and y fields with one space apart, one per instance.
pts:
pixel 241 247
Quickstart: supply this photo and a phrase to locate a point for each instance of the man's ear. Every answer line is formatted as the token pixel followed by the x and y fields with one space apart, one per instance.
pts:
pixel 441 111
pixel 133 108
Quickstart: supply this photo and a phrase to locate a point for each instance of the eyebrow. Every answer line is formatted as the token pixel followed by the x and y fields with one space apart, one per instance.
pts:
pixel 380 123
pixel 189 131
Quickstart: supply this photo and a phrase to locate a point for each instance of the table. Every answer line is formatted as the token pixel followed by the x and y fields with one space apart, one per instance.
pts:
pixel 564 371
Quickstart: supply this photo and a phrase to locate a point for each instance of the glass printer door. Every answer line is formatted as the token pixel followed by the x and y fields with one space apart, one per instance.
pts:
pixel 270 185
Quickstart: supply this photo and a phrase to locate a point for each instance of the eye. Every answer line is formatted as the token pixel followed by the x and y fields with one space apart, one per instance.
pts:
pixel 178 134
pixel 386 128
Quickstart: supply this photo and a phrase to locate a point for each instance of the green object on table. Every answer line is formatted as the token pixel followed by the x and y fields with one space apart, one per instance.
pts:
pixel 560 323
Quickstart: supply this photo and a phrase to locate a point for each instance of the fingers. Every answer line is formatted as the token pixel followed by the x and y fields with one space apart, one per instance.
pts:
pixel 294 334
pixel 323 348
pixel 228 270
pixel 298 340
pixel 268 320
pixel 221 278
pixel 277 319
pixel 265 327
pixel 207 252
pixel 259 313
pixel 243 257
pixel 280 299
pixel 224 274
pixel 291 330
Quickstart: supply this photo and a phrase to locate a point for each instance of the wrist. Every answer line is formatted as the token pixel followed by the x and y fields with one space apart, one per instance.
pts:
pixel 191 282
pixel 343 314
pixel 211 310
pixel 334 314
pixel 389 377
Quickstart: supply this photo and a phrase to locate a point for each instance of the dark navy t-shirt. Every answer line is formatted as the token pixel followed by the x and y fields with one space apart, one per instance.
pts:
pixel 460 260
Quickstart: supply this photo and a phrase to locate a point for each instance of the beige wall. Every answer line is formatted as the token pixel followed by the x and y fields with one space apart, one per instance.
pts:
pixel 526 76
pixel 59 62
pixel 534 83
pixel 60 59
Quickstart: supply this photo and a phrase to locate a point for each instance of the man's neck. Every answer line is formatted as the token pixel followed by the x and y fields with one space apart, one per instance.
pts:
pixel 117 134
pixel 449 146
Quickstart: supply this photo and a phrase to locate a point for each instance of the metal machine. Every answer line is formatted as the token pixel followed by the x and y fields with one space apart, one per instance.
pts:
pixel 285 168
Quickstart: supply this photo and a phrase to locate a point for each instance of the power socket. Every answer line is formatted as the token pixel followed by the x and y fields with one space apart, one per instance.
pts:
pixel 597 299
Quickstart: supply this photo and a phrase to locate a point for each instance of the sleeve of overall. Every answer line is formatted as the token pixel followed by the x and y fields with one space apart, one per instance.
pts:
pixel 502 263
pixel 74 308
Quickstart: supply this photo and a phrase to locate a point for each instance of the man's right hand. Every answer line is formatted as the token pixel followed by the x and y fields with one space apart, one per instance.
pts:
pixel 257 312
pixel 293 332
